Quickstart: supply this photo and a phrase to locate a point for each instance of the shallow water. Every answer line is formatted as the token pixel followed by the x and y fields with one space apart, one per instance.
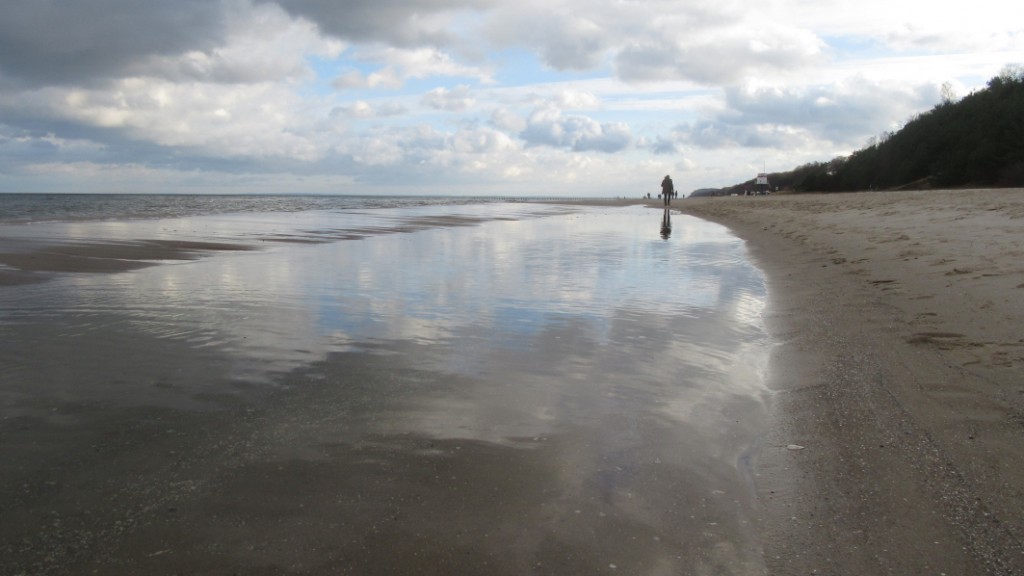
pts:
pixel 599 380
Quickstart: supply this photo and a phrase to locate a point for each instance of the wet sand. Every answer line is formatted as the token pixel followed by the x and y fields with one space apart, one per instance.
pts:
pixel 481 396
pixel 34 262
pixel 899 367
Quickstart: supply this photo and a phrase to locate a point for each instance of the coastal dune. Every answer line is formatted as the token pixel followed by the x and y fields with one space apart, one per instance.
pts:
pixel 898 445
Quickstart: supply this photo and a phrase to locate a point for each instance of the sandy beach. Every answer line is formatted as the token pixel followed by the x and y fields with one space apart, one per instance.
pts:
pixel 194 414
pixel 898 369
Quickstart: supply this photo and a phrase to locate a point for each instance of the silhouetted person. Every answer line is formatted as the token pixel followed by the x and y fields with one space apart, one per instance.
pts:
pixel 667 189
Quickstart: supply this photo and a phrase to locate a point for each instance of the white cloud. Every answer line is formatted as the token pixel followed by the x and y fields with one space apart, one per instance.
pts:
pixel 357 109
pixel 377 151
pixel 564 41
pixel 594 92
pixel 457 99
pixel 548 127
pixel 400 65
pixel 363 110
pixel 575 100
pixel 243 120
pixel 505 119
pixel 481 141
pixel 943 28
pixel 722 58
pixel 261 43
pixel 354 79
pixel 843 114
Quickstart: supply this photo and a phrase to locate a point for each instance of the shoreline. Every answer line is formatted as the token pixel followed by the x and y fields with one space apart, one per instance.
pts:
pixel 897 365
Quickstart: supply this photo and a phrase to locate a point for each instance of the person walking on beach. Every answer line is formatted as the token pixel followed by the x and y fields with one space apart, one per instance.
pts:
pixel 667 189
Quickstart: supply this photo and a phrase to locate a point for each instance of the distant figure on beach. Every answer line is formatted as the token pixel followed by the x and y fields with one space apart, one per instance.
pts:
pixel 667 189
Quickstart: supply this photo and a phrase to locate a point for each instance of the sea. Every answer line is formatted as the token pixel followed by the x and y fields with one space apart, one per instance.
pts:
pixel 16 208
pixel 587 380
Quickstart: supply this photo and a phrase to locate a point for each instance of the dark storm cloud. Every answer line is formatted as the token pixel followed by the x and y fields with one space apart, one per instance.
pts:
pixel 61 42
pixel 403 23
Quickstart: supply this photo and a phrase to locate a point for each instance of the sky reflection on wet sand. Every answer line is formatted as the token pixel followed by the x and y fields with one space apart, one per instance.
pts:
pixel 628 366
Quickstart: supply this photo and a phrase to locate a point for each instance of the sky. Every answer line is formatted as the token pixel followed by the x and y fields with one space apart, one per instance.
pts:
pixel 579 98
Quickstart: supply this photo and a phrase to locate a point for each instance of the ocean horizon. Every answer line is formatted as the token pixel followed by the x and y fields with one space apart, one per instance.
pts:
pixel 46 206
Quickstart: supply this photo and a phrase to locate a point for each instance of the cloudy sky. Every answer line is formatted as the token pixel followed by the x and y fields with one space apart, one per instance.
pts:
pixel 481 97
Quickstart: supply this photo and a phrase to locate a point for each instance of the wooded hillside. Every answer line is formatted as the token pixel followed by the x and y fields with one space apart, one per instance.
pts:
pixel 977 141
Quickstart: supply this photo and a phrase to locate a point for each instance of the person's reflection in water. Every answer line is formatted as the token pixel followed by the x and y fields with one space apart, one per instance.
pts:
pixel 666 225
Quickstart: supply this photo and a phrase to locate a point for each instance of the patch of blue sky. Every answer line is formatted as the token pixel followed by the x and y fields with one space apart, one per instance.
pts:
pixel 331 67
pixel 424 85
pixel 850 48
pixel 327 71
pixel 638 107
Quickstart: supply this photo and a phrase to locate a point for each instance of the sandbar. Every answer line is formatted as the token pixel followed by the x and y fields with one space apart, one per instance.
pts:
pixel 27 262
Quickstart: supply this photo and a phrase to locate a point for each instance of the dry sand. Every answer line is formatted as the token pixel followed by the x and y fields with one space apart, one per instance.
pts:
pixel 898 368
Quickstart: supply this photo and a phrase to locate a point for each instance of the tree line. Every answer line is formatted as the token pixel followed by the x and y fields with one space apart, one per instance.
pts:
pixel 977 141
